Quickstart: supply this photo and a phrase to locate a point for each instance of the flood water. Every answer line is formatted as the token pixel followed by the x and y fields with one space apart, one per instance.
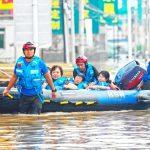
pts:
pixel 85 130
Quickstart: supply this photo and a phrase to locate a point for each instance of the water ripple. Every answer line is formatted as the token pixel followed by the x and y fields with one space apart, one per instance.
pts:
pixel 87 130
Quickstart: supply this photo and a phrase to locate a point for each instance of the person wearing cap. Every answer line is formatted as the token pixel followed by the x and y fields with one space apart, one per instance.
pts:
pixel 28 74
pixel 89 71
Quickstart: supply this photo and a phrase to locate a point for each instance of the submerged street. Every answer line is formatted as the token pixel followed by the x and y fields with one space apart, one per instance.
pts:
pixel 84 130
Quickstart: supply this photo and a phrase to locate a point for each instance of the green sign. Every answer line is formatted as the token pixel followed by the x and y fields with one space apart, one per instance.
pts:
pixel 88 14
pixel 121 7
pixel 100 11
pixel 94 15
pixel 57 17
pixel 76 17
pixel 108 8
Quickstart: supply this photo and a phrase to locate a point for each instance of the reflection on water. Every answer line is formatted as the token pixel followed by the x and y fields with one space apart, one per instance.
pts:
pixel 86 130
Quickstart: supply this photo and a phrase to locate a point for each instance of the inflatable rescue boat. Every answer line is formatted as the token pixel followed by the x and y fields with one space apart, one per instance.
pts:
pixel 82 100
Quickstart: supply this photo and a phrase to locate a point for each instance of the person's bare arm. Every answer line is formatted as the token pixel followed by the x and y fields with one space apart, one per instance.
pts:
pixel 49 81
pixel 113 86
pixel 10 84
pixel 70 86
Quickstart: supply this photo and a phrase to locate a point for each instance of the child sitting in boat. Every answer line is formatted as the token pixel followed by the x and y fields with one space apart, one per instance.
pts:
pixel 57 76
pixel 103 83
pixel 76 83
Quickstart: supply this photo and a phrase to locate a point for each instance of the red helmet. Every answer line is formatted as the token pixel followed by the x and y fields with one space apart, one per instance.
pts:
pixel 28 45
pixel 81 59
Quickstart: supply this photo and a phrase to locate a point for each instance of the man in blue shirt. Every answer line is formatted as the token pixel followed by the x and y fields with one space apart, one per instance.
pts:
pixel 28 73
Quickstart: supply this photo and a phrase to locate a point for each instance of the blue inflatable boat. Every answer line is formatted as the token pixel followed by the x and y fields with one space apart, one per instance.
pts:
pixel 82 100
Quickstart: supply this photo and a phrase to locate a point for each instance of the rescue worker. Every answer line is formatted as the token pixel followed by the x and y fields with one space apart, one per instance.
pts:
pixel 28 74
pixel 89 71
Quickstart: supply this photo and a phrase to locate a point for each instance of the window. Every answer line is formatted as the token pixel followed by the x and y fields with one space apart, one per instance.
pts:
pixel 2 37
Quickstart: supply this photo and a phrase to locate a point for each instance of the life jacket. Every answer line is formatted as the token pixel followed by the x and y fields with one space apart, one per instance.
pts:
pixel 89 75
pixel 29 76
pixel 58 83
pixel 103 83
pixel 129 76
pixel 81 85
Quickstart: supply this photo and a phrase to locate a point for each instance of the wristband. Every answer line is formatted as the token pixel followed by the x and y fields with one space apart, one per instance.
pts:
pixel 54 90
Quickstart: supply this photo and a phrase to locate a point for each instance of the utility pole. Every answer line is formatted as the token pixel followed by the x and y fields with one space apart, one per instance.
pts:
pixel 35 25
pixel 66 34
pixel 72 33
pixel 147 30
pixel 81 27
pixel 148 26
pixel 129 30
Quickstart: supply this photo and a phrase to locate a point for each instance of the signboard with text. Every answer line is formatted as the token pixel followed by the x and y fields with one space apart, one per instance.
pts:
pixel 6 8
pixel 57 17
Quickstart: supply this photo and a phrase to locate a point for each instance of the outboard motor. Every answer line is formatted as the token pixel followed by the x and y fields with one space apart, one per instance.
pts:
pixel 129 76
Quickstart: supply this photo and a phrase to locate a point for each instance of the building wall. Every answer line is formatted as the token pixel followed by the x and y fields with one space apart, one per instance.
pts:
pixel 8 53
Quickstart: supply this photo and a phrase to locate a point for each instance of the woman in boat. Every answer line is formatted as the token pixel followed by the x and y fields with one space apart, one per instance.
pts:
pixel 76 83
pixel 89 71
pixel 58 79
pixel 145 83
pixel 103 83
